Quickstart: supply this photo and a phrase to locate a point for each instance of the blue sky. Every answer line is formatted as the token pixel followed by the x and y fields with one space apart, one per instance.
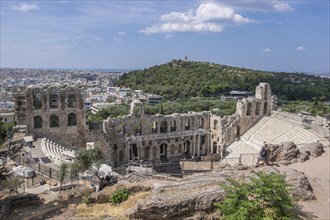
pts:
pixel 259 34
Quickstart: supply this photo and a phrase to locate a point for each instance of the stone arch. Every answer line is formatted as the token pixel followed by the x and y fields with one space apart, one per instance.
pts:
pixel 186 146
pixel 187 124
pixel 137 108
pixel 53 97
pixel 37 98
pixel 54 121
pixel 120 129
pixel 137 128
pixel 71 99
pixel 163 127
pixel 265 108
pixel 215 124
pixel 257 108
pixel 154 127
pixel 266 92
pixel 163 152
pixel 249 109
pixel 201 122
pixel 173 125
pixel 214 147
pixel 37 121
pixel 72 119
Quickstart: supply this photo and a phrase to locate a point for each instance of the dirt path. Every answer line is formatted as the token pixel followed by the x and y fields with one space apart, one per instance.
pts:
pixel 318 173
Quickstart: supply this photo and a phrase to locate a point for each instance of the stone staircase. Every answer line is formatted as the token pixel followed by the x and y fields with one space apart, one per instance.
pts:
pixel 272 130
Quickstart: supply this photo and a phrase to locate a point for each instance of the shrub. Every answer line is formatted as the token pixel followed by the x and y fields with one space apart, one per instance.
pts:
pixel 119 196
pixel 86 196
pixel 264 197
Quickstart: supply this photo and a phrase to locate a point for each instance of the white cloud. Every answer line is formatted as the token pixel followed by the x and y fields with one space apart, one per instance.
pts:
pixel 121 33
pixel 209 17
pixel 168 36
pixel 300 48
pixel 24 7
pixel 266 50
pixel 280 6
pixel 261 5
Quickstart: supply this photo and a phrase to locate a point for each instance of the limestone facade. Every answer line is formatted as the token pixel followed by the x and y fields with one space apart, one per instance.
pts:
pixel 54 112
pixel 170 137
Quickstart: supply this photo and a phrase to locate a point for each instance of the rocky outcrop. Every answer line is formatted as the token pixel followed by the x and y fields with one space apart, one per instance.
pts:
pixel 16 200
pixel 194 196
pixel 287 152
pixel 313 149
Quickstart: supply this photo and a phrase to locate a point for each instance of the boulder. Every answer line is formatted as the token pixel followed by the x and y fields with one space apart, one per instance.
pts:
pixel 284 153
pixel 193 197
pixel 313 149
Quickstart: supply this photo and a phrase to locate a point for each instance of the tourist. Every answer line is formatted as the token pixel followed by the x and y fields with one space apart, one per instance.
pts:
pixel 263 154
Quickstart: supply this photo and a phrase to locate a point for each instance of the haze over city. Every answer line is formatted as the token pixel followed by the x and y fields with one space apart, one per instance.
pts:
pixel 266 35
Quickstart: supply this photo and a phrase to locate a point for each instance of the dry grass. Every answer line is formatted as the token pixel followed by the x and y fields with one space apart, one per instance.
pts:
pixel 97 211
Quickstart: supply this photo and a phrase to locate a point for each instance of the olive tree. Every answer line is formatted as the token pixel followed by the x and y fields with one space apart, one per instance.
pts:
pixel 263 197
pixel 88 160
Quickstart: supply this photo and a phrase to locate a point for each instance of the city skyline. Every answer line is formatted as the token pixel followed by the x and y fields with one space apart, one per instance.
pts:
pixel 264 35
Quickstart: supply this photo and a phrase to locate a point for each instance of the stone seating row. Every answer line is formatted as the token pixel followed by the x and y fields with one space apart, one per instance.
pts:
pixel 272 130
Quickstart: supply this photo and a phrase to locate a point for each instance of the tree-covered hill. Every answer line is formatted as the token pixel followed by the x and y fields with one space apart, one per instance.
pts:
pixel 184 79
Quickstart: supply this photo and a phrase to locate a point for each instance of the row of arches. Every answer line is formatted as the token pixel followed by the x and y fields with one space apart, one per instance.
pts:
pixel 163 128
pixel 257 110
pixel 161 152
pixel 54 121
pixel 53 98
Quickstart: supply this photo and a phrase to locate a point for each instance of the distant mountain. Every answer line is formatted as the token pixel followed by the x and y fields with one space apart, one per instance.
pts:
pixel 184 79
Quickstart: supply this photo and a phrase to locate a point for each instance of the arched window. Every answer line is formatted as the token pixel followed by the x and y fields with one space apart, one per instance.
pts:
pixel 258 108
pixel 201 122
pixel 214 147
pixel 53 100
pixel 163 127
pixel 215 124
pixel 54 121
pixel 173 125
pixel 72 120
pixel 37 121
pixel 249 108
pixel 71 100
pixel 154 127
pixel 187 124
pixel 37 99
pixel 265 108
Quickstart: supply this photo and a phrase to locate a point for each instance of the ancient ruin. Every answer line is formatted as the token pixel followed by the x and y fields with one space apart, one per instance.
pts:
pixel 160 138
pixel 54 113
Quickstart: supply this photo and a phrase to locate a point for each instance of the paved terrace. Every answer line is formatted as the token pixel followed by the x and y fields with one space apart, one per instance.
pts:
pixel 272 130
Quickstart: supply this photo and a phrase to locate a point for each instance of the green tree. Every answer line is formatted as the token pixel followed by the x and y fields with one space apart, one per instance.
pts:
pixel 88 160
pixel 3 131
pixel 263 197
pixel 61 173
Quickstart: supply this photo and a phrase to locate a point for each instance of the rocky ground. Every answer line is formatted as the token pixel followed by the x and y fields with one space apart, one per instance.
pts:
pixel 191 197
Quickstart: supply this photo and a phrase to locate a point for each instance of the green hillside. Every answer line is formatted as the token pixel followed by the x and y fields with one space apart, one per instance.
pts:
pixel 180 79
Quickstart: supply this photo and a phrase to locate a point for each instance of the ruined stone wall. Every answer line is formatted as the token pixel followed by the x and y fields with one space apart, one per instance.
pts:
pixel 168 137
pixel 157 137
pixel 248 112
pixel 56 113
